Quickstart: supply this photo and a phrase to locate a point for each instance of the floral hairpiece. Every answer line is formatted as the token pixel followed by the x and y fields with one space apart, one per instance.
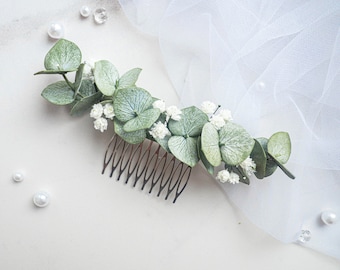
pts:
pixel 190 134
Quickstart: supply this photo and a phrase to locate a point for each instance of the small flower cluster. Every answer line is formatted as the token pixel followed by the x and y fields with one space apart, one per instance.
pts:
pixel 98 111
pixel 226 176
pixel 248 166
pixel 160 130
pixel 218 120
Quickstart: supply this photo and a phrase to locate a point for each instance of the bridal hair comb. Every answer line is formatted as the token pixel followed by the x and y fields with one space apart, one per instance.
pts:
pixel 155 146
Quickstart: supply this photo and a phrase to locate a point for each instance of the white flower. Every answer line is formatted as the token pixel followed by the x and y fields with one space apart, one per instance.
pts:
pixel 97 111
pixel 159 130
pixel 108 111
pixel 174 113
pixel 225 114
pixel 159 104
pixel 248 165
pixel 100 124
pixel 208 107
pixel 223 176
pixel 217 121
pixel 234 178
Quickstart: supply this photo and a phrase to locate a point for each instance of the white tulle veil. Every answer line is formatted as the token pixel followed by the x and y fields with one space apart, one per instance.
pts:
pixel 276 65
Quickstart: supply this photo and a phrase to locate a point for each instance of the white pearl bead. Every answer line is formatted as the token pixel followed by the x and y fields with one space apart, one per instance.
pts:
pixel 85 11
pixel 41 199
pixel 18 177
pixel 328 217
pixel 56 30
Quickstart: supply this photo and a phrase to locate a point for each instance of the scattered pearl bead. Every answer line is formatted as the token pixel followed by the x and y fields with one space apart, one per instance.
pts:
pixel 85 11
pixel 18 177
pixel 328 217
pixel 41 199
pixel 56 30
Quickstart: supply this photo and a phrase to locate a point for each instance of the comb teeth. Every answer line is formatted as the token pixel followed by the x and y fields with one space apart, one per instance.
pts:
pixel 146 165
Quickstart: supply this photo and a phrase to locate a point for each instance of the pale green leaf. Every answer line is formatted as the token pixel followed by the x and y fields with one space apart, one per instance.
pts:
pixel 134 137
pixel 58 93
pixel 63 56
pixel 201 156
pixel 131 102
pixel 191 122
pixel 210 144
pixel 259 157
pixel 106 76
pixel 184 149
pixel 279 146
pixel 129 78
pixel 85 103
pixel 78 79
pixel 235 143
pixel 143 121
pixel 87 88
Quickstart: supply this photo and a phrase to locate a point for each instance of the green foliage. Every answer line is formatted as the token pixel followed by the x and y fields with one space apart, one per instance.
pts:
pixel 190 139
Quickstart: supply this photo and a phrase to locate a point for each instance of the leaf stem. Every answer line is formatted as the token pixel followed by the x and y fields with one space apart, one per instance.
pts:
pixel 68 82
pixel 283 168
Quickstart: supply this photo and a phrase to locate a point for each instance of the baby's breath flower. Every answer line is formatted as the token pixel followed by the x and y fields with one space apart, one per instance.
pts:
pixel 234 178
pixel 217 121
pixel 248 165
pixel 225 114
pixel 223 176
pixel 108 111
pixel 97 111
pixel 100 124
pixel 208 107
pixel 159 130
pixel 174 113
pixel 159 104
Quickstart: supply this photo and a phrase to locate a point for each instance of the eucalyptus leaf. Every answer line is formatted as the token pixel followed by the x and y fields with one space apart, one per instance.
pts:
pixel 58 93
pixel 235 143
pixel 129 78
pixel 78 79
pixel 191 122
pixel 210 144
pixel 143 121
pixel 134 137
pixel 131 102
pixel 63 56
pixel 184 149
pixel 270 168
pixel 87 88
pixel 51 72
pixel 279 146
pixel 201 156
pixel 106 76
pixel 258 155
pixel 85 103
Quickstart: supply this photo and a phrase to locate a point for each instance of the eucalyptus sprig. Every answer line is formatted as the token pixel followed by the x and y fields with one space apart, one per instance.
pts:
pixel 189 134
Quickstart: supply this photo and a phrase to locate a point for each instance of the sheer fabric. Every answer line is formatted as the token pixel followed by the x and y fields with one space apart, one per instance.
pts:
pixel 276 66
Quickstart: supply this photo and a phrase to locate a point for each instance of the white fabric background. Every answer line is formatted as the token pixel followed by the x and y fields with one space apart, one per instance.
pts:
pixel 276 66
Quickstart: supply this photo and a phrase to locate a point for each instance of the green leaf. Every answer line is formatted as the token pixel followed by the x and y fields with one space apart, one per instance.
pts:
pixel 143 121
pixel 191 122
pixel 235 143
pixel 106 76
pixel 131 102
pixel 63 56
pixel 270 167
pixel 259 157
pixel 85 103
pixel 87 88
pixel 184 149
pixel 279 146
pixel 58 93
pixel 134 137
pixel 210 144
pixel 201 156
pixel 78 79
pixel 51 72
pixel 129 78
